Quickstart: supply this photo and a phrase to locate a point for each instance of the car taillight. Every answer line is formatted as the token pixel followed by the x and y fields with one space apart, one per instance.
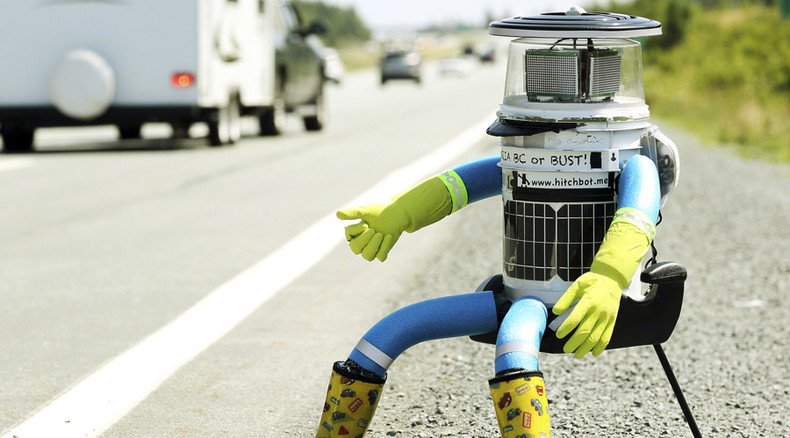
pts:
pixel 182 80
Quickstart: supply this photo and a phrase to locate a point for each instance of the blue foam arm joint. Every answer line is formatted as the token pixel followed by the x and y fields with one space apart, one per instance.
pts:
pixel 482 177
pixel 639 187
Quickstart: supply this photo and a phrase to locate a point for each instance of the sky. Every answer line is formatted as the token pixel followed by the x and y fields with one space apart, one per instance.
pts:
pixel 419 13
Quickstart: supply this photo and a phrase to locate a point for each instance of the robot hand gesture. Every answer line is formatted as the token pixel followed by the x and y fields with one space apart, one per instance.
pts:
pixel 378 230
pixel 593 317
pixel 381 225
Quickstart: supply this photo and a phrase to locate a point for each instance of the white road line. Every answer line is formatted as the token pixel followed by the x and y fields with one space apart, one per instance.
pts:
pixel 14 164
pixel 93 405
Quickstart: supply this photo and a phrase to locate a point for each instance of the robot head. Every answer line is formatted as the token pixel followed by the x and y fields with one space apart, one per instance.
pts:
pixel 574 66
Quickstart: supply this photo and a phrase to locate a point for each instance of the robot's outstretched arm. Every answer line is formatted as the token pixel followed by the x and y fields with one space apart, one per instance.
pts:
pixel 380 225
pixel 482 178
pixel 596 294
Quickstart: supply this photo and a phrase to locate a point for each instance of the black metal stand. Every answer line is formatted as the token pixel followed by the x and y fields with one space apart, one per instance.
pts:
pixel 662 357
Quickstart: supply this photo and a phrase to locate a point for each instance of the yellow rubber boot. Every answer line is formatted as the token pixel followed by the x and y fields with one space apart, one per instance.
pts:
pixel 521 405
pixel 351 401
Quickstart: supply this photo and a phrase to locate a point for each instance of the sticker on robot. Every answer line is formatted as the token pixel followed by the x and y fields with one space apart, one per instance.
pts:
pixel 522 389
pixel 526 420
pixel 355 405
pixel 538 407
pixel 340 417
pixel 547 159
pixel 557 180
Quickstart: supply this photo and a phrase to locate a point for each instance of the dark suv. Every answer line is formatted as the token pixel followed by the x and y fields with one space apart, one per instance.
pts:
pixel 300 74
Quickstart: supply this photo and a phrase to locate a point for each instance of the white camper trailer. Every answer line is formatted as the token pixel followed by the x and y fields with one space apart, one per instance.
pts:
pixel 128 62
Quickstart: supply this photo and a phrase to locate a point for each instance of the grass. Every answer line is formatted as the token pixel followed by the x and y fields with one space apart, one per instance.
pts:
pixel 728 81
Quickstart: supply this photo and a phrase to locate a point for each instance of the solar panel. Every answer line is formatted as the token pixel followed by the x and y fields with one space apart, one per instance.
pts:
pixel 541 242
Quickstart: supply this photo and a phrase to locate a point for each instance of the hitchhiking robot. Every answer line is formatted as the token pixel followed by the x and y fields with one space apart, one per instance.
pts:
pixel 582 174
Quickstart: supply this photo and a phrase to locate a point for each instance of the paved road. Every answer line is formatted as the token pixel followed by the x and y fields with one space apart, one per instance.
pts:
pixel 103 244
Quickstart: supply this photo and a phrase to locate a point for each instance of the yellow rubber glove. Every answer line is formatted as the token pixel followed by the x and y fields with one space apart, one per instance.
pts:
pixel 593 317
pixel 381 225
pixel 597 292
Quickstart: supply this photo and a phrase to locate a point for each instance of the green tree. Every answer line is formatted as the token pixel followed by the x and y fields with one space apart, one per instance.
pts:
pixel 343 25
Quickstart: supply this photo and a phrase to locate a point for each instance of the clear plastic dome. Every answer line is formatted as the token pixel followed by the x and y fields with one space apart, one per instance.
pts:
pixel 573 70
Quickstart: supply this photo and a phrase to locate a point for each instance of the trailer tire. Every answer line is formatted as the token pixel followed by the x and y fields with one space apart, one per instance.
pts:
pixel 234 120
pixel 224 127
pixel 16 139
pixel 180 130
pixel 272 119
pixel 315 122
pixel 217 130
pixel 129 132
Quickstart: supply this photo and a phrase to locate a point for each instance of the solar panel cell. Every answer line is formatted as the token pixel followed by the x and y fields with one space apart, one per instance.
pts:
pixel 540 242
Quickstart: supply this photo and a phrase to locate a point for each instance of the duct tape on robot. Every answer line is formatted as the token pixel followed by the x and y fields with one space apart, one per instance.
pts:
pixel 607 160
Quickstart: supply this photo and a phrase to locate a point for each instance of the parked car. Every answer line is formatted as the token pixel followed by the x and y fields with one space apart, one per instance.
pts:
pixel 401 64
pixel 299 75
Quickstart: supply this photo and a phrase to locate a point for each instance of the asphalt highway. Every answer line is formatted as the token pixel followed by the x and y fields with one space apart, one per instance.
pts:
pixel 105 243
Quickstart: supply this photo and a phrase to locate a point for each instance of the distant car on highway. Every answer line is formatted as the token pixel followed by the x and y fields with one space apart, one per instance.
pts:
pixel 455 66
pixel 401 64
pixel 333 65
pixel 487 55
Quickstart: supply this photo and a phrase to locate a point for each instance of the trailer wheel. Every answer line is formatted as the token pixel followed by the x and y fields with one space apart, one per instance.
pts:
pixel 17 139
pixel 180 130
pixel 217 127
pixel 315 122
pixel 129 132
pixel 224 127
pixel 272 120
pixel 234 120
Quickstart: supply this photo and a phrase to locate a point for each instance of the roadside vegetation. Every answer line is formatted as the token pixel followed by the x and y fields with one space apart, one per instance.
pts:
pixel 721 71
pixel 721 68
pixel 352 38
pixel 343 26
